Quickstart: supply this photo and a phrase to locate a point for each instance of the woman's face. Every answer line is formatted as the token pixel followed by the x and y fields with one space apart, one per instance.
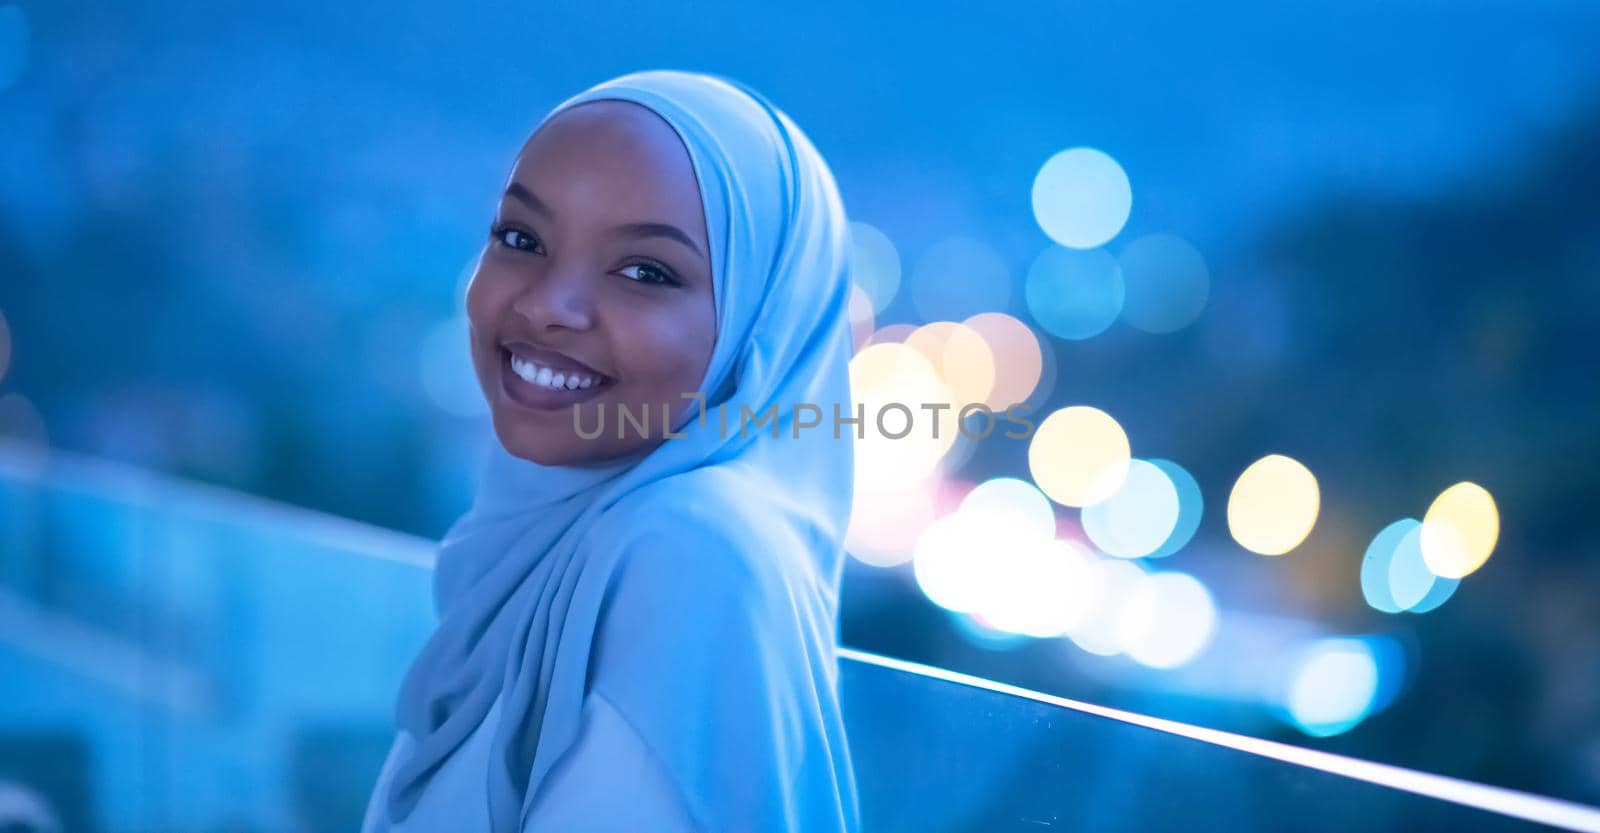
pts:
pixel 594 288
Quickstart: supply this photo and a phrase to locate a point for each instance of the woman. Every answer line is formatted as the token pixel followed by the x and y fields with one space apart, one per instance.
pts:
pixel 637 629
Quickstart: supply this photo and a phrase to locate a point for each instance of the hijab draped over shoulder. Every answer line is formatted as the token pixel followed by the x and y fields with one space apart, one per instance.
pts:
pixel 696 586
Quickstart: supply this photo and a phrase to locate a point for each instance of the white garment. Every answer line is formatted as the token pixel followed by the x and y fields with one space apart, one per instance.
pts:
pixel 608 782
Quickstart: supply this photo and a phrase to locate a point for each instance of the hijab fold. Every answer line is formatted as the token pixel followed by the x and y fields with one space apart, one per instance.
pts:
pixel 696 584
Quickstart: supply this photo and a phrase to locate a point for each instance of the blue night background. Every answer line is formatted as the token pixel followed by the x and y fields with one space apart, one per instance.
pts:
pixel 236 404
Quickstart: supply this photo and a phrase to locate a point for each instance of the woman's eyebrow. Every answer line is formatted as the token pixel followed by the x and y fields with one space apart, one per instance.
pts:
pixel 517 192
pixel 670 232
pixel 520 193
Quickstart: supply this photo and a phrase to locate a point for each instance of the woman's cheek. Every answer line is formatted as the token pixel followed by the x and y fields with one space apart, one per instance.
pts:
pixel 477 301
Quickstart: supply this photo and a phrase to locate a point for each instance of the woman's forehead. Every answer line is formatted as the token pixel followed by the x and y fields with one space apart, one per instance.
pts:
pixel 625 130
pixel 609 150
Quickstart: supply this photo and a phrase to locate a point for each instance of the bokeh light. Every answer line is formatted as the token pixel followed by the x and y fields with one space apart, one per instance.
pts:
pixel 1097 630
pixel 1013 505
pixel 962 447
pixel 884 525
pixel 446 369
pixel 1074 294
pixel 892 334
pixel 888 374
pixel 1273 505
pixel 24 426
pixel 1410 580
pixel 13 44
pixel 1191 507
pixel 949 564
pixel 960 356
pixel 950 492
pixel 1166 620
pixel 1376 563
pixel 1079 456
pixel 1039 588
pixel 980 632
pixel 21 422
pixel 1459 531
pixel 995 558
pixel 1139 517
pixel 861 318
pixel 1081 198
pixel 1018 359
pixel 876 264
pixel 1438 594
pixel 1333 686
pixel 979 559
pixel 959 277
pixel 1166 283
pixel 1029 580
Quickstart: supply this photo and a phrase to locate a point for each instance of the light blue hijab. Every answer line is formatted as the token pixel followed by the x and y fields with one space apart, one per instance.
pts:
pixel 696 585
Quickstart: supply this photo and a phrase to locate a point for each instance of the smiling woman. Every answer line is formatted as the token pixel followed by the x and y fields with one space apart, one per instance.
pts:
pixel 633 634
pixel 595 285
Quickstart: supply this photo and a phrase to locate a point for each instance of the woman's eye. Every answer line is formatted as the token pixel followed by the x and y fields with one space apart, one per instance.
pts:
pixel 646 273
pixel 516 239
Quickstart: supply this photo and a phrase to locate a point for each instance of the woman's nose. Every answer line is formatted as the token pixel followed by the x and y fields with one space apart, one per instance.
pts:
pixel 561 298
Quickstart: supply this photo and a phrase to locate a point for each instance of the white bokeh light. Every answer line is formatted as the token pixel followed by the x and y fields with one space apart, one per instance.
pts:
pixel 948 563
pixel 1040 588
pixel 876 263
pixel 1096 630
pixel 1081 198
pixel 1007 503
pixel 1166 620
pixel 884 525
pixel 1139 517
pixel 1334 685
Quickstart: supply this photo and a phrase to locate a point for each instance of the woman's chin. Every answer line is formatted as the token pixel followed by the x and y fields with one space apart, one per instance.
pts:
pixel 537 445
pixel 548 446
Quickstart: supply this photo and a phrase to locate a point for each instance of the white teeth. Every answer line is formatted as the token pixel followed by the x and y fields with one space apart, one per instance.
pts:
pixel 524 369
pixel 547 378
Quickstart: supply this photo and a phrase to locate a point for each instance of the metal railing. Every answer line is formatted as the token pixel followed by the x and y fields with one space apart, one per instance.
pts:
pixel 179 657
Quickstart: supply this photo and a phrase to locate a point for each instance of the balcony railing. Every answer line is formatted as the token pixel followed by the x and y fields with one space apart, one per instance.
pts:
pixel 178 657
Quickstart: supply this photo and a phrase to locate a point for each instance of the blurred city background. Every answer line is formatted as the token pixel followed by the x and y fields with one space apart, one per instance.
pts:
pixel 1300 297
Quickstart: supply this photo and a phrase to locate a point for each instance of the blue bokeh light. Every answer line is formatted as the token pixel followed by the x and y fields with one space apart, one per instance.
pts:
pixel 1075 294
pixel 1167 283
pixel 1191 507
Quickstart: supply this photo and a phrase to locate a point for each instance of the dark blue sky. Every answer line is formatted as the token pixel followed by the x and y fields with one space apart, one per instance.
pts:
pixel 1223 118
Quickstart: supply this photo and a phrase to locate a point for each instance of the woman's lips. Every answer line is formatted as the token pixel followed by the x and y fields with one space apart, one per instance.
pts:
pixel 547 357
pixel 547 397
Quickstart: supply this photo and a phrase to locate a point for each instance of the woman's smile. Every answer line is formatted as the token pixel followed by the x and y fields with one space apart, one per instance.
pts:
pixel 545 380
